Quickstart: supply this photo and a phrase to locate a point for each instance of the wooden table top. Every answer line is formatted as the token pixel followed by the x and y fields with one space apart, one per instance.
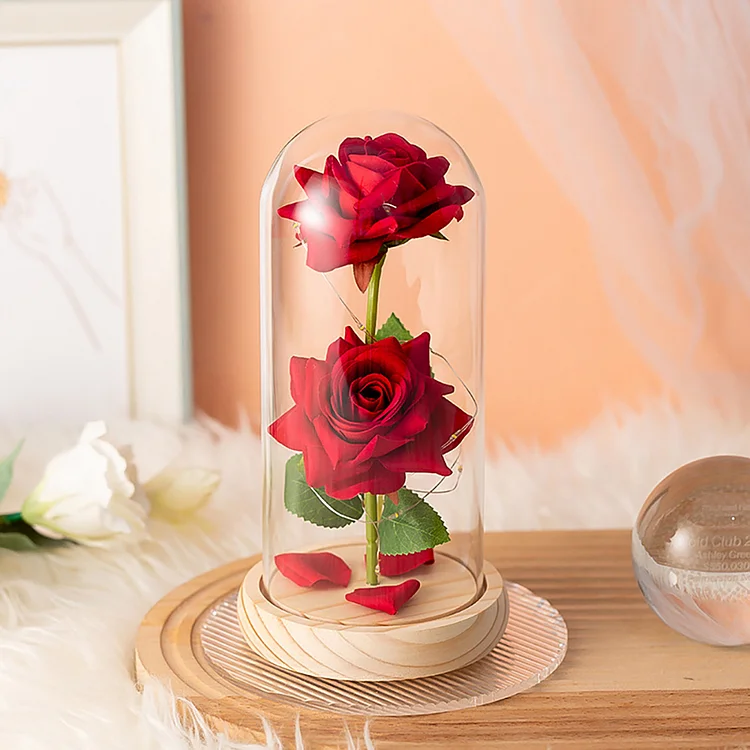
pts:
pixel 628 681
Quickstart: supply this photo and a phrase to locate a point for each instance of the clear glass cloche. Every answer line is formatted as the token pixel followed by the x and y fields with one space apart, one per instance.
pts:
pixel 372 229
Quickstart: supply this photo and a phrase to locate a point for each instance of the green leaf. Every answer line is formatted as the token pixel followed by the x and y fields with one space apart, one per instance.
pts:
pixel 6 469
pixel 411 526
pixel 439 236
pixel 16 541
pixel 393 327
pixel 393 243
pixel 315 505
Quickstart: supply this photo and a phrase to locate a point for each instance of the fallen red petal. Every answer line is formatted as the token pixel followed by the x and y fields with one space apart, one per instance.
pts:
pixel 308 568
pixel 396 565
pixel 388 599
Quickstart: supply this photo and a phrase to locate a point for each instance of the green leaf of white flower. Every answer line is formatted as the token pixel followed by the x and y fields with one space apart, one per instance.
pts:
pixel 314 505
pixel 439 236
pixel 16 541
pixel 394 327
pixel 411 526
pixel 6 469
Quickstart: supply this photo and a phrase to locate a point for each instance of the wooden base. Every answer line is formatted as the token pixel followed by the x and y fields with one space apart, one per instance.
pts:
pixel 628 681
pixel 447 625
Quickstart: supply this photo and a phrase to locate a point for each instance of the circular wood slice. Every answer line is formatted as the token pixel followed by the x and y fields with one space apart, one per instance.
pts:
pixel 447 625
pixel 446 586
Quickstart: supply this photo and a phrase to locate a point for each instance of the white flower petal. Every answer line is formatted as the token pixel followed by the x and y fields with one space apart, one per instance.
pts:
pixel 179 491
pixel 80 470
pixel 89 493
pixel 93 431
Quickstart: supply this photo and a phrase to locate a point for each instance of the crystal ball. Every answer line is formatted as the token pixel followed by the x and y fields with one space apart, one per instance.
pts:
pixel 691 550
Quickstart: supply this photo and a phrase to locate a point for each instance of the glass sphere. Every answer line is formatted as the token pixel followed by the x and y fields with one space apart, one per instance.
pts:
pixel 372 274
pixel 691 550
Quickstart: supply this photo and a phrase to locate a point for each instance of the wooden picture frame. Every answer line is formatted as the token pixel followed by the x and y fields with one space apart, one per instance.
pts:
pixel 147 37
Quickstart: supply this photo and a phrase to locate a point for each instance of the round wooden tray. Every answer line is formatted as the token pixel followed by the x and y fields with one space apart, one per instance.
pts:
pixel 191 640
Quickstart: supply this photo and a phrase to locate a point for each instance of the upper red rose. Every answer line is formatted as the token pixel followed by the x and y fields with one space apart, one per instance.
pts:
pixel 379 190
pixel 368 414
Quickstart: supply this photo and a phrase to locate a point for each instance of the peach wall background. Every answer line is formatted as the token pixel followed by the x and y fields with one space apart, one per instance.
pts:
pixel 258 71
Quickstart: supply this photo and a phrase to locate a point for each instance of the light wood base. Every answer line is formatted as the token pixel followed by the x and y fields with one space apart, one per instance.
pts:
pixel 447 625
pixel 447 586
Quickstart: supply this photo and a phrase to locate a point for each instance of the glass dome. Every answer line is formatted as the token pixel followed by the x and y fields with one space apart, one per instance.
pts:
pixel 372 270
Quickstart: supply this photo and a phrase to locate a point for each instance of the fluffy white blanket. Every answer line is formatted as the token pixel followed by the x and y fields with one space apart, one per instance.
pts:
pixel 68 617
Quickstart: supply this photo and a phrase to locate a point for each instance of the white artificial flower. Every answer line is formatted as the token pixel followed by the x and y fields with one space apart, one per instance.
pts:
pixel 175 492
pixel 89 494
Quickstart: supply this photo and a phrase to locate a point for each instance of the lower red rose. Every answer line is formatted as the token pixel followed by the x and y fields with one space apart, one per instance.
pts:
pixel 368 414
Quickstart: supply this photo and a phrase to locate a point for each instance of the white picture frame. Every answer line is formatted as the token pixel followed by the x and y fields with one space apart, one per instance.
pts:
pixel 147 37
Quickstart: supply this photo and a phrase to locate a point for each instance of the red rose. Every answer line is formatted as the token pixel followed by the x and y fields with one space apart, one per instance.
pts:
pixel 369 414
pixel 379 190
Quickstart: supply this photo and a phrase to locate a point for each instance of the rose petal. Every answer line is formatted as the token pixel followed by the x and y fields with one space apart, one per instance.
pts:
pixel 338 450
pixel 400 144
pixel 292 211
pixel 308 568
pixel 318 467
pixel 293 429
pixel 349 146
pixel 418 351
pixel 379 446
pixel 297 367
pixel 385 226
pixel 423 454
pixel 380 193
pixel 388 599
pixel 440 192
pixel 348 202
pixel 323 252
pixel 373 163
pixel 365 179
pixel 316 375
pixel 306 176
pixel 351 479
pixel 432 223
pixel 351 336
pixel 462 194
pixel 396 565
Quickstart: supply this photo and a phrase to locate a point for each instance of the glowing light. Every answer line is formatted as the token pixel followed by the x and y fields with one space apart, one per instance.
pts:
pixel 312 217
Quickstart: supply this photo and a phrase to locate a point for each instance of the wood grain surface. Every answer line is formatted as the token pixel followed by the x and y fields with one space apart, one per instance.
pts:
pixel 446 586
pixel 447 625
pixel 628 681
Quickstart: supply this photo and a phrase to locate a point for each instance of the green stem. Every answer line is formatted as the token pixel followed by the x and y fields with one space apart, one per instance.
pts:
pixel 371 532
pixel 9 519
pixel 372 515
pixel 373 290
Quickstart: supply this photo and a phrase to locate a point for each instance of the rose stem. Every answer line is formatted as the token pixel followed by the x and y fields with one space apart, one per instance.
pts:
pixel 371 500
pixel 373 290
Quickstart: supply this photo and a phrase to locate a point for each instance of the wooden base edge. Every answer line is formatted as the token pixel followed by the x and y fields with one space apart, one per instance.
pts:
pixel 366 653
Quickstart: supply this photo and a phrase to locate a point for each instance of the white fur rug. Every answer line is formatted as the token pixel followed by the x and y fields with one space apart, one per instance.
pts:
pixel 68 617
